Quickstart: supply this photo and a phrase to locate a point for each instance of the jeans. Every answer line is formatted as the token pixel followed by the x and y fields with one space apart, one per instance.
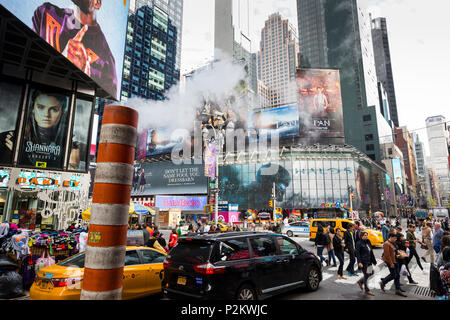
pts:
pixel 331 256
pixel 320 253
pixel 365 277
pixel 405 262
pixel 351 264
pixel 413 253
pixel 340 256
pixel 394 274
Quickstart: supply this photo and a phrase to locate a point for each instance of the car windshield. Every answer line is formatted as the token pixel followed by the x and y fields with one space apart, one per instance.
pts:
pixel 77 261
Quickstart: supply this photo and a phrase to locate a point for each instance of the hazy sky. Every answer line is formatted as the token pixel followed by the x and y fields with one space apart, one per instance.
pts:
pixel 419 38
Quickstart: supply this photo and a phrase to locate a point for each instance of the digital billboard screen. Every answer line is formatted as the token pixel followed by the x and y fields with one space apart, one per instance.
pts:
pixel 282 120
pixel 398 177
pixel 166 178
pixel 162 140
pixel 90 33
pixel 320 103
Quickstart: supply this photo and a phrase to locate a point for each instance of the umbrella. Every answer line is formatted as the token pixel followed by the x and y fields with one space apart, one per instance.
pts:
pixel 379 213
pixel 135 208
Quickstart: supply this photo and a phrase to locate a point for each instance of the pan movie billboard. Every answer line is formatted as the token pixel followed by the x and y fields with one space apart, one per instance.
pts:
pixel 90 33
pixel 398 177
pixel 320 103
pixel 283 120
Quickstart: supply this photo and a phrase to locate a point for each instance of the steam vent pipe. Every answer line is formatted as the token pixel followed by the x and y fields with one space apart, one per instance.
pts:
pixel 106 246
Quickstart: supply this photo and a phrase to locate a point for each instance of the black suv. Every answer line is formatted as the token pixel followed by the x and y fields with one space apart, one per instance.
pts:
pixel 238 265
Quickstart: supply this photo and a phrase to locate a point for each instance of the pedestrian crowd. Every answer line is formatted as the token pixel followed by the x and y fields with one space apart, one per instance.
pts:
pixel 399 248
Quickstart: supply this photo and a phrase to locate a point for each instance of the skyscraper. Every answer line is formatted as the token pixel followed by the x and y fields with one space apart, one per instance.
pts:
pixel 337 35
pixel 438 139
pixel 383 63
pixel 278 61
pixel 153 48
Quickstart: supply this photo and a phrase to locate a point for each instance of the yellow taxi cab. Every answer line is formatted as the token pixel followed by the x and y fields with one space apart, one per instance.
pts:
pixel 63 281
pixel 375 236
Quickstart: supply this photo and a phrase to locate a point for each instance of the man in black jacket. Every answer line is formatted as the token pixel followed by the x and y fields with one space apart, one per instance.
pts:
pixel 349 239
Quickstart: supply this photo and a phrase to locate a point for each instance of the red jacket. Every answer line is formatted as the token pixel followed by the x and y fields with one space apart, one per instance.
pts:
pixel 173 239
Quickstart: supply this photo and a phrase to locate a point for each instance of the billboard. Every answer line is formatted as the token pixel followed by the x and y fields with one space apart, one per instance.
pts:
pixel 283 120
pixel 162 140
pixel 45 129
pixel 162 178
pixel 210 160
pixel 10 100
pixel 90 33
pixel 398 177
pixel 80 147
pixel 183 203
pixel 320 103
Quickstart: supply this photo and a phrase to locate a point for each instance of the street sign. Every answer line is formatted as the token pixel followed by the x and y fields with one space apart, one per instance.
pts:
pixel 212 201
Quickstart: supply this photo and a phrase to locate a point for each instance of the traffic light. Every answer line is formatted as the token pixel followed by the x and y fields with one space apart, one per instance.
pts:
pixel 352 196
pixel 208 208
pixel 271 203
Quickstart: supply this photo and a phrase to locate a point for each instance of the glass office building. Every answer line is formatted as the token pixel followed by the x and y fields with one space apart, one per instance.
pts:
pixel 305 179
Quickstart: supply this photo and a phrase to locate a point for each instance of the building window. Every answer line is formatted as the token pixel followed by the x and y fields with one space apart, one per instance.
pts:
pixel 390 151
pixel 370 147
pixel 369 137
pixel 367 118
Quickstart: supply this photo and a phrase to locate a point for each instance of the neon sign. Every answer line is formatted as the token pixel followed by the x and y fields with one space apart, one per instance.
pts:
pixel 337 204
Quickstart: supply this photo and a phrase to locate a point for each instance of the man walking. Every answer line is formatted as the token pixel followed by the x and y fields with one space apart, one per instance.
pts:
pixel 411 238
pixel 349 239
pixel 437 237
pixel 389 257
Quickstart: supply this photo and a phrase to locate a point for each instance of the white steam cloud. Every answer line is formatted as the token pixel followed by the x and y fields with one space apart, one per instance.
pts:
pixel 178 111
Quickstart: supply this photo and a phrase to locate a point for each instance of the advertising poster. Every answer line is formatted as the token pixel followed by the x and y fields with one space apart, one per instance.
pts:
pixel 183 203
pixel 90 33
pixel 45 130
pixel 210 160
pixel 94 135
pixel 320 103
pixel 163 178
pixel 80 139
pixel 283 120
pixel 10 99
pixel 161 141
pixel 398 177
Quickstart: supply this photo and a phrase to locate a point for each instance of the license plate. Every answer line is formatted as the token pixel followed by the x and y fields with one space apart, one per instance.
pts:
pixel 182 281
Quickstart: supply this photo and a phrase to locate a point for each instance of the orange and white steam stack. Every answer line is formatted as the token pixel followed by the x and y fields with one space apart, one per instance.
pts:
pixel 106 246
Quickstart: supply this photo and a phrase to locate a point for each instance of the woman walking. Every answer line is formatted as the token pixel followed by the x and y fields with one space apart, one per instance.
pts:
pixel 321 242
pixel 330 248
pixel 411 238
pixel 426 238
pixel 338 246
pixel 366 261
pixel 403 258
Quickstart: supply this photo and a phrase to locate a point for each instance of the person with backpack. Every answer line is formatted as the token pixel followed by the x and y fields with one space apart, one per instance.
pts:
pixel 385 230
pixel 321 242
pixel 349 239
pixel 366 261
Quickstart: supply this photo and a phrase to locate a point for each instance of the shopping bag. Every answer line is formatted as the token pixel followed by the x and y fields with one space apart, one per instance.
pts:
pixel 404 271
pixel 44 261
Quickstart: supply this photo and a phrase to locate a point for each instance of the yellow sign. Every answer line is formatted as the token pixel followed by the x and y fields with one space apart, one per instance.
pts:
pixel 208 208
pixel 41 164
pixel 95 237
pixel 271 203
pixel 279 210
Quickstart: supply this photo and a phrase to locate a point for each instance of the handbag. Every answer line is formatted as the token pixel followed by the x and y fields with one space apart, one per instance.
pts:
pixel 423 245
pixel 402 254
pixel 44 261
